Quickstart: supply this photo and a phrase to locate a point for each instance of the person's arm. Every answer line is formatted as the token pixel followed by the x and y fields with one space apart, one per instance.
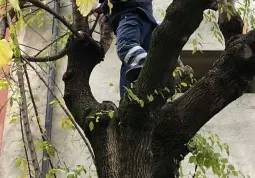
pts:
pixel 105 7
pixel 102 7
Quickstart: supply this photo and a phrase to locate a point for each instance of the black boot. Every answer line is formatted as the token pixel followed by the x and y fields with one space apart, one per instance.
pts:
pixel 133 73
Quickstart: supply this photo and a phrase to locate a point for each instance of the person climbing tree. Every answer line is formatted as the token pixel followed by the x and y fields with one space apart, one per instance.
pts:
pixel 133 23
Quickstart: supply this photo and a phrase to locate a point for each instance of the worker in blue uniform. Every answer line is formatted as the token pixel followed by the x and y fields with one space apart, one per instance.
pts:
pixel 132 22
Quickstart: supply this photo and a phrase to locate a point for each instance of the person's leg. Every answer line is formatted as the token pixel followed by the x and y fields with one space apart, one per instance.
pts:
pixel 129 40
pixel 133 71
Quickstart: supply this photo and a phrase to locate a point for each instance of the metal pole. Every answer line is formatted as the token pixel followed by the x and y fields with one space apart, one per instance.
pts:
pixel 51 80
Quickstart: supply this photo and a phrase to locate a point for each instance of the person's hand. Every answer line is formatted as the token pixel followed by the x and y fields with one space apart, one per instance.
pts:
pixel 97 9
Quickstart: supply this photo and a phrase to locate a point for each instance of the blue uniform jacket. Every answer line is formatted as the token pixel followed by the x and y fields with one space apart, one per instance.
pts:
pixel 120 7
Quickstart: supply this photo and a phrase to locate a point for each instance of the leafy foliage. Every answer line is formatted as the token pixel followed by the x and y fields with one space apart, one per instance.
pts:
pixel 78 171
pixel 209 154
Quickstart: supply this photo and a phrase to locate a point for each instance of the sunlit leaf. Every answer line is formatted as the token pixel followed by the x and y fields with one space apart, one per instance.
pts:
pixel 5 52
pixel 18 162
pixel 111 114
pixel 15 4
pixel 85 6
pixel 13 120
pixel 91 126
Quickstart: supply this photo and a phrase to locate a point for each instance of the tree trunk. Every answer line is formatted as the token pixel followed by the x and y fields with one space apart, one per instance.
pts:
pixel 144 138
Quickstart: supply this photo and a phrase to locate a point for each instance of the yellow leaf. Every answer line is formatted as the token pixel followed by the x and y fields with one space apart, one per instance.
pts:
pixel 15 4
pixel 24 169
pixel 110 6
pixel 5 52
pixel 85 6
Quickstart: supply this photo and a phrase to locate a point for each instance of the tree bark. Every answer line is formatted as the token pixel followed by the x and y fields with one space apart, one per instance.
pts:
pixel 142 138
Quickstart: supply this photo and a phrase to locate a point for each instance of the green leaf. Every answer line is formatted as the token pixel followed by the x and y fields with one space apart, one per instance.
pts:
pixel 110 6
pixel 224 160
pixel 11 101
pixel 71 174
pixel 184 84
pixel 97 119
pixel 131 85
pixel 194 42
pixel 14 42
pixel 111 114
pixel 141 102
pixel 14 119
pixel 194 50
pixel 131 94
pixel 174 74
pixel 150 98
pixel 231 167
pixel 50 150
pixel 79 169
pixel 66 123
pixel 18 162
pixel 24 169
pixel 3 84
pixel 229 16
pixel 110 84
pixel 207 163
pixel 200 158
pixel 235 173
pixel 167 89
pixel 192 159
pixel 91 126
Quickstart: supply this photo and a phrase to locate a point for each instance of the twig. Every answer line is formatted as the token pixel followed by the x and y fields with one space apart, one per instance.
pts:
pixel 25 147
pixel 35 10
pixel 36 111
pixel 61 54
pixel 195 172
pixel 34 30
pixel 66 6
pixel 65 110
pixel 46 73
pixel 24 114
pixel 29 47
pixel 94 25
pixel 50 44
pixel 58 16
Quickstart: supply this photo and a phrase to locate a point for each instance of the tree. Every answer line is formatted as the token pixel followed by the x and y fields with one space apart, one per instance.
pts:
pixel 146 136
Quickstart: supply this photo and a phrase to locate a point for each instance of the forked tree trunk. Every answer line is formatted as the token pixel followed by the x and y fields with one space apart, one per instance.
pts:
pixel 144 139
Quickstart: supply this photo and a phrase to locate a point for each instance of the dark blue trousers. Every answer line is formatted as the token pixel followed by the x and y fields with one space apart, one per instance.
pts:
pixel 133 40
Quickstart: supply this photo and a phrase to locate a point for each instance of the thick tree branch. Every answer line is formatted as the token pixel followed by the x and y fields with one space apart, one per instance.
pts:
pixel 55 57
pixel 24 114
pixel 175 34
pixel 56 15
pixel 80 22
pixel 225 82
pixel 152 140
pixel 82 58
pixel 106 33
